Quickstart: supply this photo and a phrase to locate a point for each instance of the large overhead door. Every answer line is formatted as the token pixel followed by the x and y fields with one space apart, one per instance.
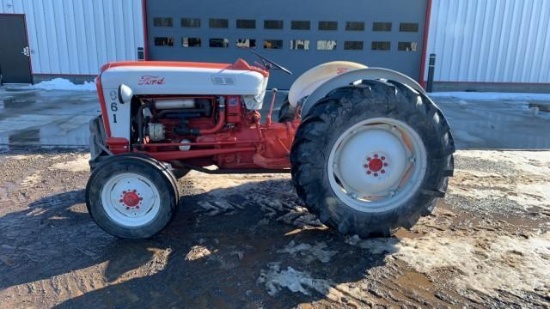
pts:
pixel 293 33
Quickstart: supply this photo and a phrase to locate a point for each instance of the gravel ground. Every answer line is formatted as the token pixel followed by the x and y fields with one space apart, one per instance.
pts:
pixel 246 241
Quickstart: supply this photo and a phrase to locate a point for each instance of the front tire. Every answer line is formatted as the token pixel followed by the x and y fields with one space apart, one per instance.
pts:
pixel 131 196
pixel 371 158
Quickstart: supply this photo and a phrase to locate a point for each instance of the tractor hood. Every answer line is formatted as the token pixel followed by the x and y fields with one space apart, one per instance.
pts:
pixel 182 78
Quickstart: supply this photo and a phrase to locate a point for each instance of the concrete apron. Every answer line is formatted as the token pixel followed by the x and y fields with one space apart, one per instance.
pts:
pixel 60 119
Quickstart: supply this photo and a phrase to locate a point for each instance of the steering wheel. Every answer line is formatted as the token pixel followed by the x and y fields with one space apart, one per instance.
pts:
pixel 269 64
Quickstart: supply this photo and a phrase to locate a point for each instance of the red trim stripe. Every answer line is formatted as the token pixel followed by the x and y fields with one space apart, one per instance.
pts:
pixel 425 43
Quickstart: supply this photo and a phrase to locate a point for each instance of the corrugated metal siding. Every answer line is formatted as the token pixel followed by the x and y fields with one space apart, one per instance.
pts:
pixel 78 36
pixel 500 41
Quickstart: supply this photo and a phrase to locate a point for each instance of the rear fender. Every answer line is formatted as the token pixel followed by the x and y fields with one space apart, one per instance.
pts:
pixel 349 78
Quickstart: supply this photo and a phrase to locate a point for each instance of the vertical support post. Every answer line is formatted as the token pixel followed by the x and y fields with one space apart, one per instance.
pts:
pixel 431 69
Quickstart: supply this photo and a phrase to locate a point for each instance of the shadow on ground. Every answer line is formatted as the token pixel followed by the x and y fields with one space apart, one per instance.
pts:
pixel 233 258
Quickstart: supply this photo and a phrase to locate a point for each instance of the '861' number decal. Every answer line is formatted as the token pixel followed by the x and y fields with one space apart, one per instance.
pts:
pixel 114 104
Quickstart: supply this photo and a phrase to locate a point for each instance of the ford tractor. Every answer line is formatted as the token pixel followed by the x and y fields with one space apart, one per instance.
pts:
pixel 367 149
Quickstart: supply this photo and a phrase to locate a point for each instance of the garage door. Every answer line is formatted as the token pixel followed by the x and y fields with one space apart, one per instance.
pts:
pixel 296 34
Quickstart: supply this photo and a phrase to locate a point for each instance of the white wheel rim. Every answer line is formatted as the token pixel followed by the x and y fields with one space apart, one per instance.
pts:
pixel 130 199
pixel 377 164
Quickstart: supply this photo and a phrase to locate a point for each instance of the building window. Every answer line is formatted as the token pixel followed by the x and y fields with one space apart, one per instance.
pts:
pixel 246 43
pixel 246 24
pixel 273 24
pixel 191 22
pixel 218 23
pixel 191 42
pixel 355 26
pixel 326 45
pixel 162 22
pixel 164 41
pixel 328 25
pixel 353 45
pixel 407 46
pixel 408 27
pixel 383 27
pixel 379 45
pixel 273 44
pixel 300 25
pixel 218 43
pixel 299 44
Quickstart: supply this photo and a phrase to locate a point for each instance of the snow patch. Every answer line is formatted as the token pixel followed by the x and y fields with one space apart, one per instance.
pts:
pixel 197 252
pixel 276 279
pixel 78 165
pixel 492 96
pixel 63 84
pixel 485 262
pixel 308 252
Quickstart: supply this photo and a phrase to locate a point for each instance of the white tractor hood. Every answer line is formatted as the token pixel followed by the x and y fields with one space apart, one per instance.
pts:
pixel 186 78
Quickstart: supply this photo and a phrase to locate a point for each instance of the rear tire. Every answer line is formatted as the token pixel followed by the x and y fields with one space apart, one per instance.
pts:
pixel 132 196
pixel 371 158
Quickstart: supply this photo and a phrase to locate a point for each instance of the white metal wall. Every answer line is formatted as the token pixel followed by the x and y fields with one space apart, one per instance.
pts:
pixel 501 41
pixel 78 36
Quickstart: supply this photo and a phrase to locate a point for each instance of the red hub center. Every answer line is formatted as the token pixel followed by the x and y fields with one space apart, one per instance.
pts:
pixel 375 165
pixel 131 199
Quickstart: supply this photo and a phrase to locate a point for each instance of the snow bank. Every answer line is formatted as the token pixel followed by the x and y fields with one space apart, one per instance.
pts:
pixel 63 84
pixel 492 96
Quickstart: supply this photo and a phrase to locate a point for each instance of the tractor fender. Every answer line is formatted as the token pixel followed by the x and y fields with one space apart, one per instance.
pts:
pixel 310 80
pixel 351 77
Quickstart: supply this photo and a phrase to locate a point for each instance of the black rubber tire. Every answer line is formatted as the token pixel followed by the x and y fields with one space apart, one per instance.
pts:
pixel 155 172
pixel 341 109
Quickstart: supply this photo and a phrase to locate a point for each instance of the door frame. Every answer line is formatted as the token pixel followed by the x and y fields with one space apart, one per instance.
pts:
pixel 26 39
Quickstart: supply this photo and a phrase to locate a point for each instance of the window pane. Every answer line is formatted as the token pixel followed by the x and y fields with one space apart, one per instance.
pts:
pixel 408 27
pixel 300 25
pixel 273 44
pixel 191 42
pixel 326 45
pixel 355 26
pixel 218 23
pixel 162 22
pixel 381 27
pixel 407 46
pixel 273 24
pixel 378 45
pixel 246 24
pixel 164 41
pixel 218 43
pixel 353 45
pixel 191 22
pixel 246 43
pixel 328 25
pixel 299 44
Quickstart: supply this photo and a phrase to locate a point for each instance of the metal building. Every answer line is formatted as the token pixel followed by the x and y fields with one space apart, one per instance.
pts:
pixel 477 42
pixel 296 34
pixel 40 39
pixel 491 44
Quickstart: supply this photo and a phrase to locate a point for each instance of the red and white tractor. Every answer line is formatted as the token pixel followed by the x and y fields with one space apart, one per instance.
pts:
pixel 368 151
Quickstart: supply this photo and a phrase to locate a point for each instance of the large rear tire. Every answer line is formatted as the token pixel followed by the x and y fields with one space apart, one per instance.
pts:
pixel 370 158
pixel 132 196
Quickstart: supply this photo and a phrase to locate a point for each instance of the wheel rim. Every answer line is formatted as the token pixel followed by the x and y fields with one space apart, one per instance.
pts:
pixel 377 164
pixel 130 199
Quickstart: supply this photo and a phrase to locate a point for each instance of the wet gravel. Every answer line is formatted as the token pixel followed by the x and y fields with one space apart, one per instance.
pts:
pixel 246 241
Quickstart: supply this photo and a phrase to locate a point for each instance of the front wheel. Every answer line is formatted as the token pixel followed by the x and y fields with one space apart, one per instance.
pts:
pixel 371 158
pixel 131 196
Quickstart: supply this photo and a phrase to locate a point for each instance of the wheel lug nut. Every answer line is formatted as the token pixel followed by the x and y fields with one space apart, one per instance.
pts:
pixel 375 174
pixel 127 208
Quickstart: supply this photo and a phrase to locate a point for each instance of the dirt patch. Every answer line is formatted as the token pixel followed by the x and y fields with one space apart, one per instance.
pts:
pixel 247 241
